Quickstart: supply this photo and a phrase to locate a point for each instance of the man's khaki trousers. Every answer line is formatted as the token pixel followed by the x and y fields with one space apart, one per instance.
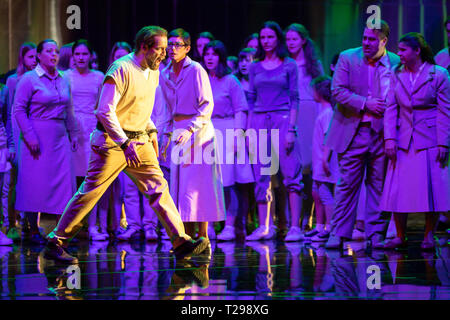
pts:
pixel 106 161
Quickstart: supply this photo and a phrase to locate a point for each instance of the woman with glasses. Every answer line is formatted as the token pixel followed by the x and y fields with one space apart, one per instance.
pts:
pixel 229 114
pixel 274 100
pixel 195 175
pixel 43 110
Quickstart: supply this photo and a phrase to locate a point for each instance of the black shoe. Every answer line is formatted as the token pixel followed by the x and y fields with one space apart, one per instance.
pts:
pixel 58 253
pixel 191 247
pixel 205 256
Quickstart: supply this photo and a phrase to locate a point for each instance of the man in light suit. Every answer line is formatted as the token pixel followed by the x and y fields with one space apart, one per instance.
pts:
pixel 360 85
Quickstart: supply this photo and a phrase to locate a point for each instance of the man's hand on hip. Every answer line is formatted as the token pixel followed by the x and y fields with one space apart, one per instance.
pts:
pixel 131 155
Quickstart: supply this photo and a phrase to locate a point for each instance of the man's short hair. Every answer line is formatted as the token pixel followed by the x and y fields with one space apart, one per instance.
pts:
pixel 383 31
pixel 181 33
pixel 147 36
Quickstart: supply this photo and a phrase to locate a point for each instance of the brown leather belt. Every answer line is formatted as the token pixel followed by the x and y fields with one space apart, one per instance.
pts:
pixel 129 134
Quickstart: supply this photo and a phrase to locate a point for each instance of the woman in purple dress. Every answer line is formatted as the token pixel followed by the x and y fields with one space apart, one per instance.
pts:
pixel 417 140
pixel 43 110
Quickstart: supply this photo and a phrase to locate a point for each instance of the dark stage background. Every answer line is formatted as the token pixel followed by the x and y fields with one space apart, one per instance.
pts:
pixel 335 25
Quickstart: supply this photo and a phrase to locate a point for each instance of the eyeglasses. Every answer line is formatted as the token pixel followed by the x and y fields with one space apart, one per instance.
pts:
pixel 176 44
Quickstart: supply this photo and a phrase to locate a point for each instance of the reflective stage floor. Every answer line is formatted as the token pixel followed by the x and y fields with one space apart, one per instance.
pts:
pixel 258 270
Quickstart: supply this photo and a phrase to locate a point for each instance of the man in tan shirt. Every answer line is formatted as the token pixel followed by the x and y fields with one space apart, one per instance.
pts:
pixel 125 139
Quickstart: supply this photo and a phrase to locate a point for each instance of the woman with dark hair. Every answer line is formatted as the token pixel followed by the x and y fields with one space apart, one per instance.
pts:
pixel 252 41
pixel 26 61
pixel 302 49
pixel 202 40
pixel 232 63
pixel 85 85
pixel 230 107
pixel 43 110
pixel 65 57
pixel 119 50
pixel 417 140
pixel 273 99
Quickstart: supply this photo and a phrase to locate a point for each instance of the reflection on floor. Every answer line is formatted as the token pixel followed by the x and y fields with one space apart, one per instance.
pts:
pixel 256 270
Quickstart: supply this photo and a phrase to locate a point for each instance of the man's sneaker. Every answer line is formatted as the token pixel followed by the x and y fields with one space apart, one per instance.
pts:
pixel 205 256
pixel 294 234
pixel 358 235
pixel 94 235
pixel 191 247
pixel 4 240
pixel 56 252
pixel 227 234
pixel 151 235
pixel 321 236
pixel 130 234
pixel 13 234
pixel 259 234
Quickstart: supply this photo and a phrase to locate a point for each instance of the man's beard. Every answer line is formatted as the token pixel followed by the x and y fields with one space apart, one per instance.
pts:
pixel 153 63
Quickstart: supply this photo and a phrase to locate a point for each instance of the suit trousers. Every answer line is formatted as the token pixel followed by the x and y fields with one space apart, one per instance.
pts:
pixel 365 153
pixel 106 161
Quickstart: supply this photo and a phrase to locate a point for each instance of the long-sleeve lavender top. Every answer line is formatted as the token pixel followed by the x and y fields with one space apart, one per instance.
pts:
pixel 190 95
pixel 229 97
pixel 41 97
pixel 273 90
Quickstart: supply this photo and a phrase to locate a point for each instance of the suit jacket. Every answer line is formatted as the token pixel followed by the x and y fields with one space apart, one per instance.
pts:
pixel 350 90
pixel 420 112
